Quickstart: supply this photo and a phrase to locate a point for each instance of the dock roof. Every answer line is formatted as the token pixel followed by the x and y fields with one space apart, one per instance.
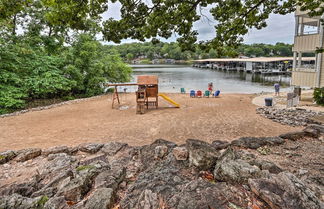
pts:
pixel 255 59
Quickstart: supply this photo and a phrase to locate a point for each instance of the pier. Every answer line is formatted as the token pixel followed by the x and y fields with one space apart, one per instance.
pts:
pixel 262 65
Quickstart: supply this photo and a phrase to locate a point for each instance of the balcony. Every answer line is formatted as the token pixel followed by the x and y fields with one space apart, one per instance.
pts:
pixel 306 43
pixel 304 77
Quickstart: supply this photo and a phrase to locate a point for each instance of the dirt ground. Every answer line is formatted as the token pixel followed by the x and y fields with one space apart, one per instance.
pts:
pixel 225 118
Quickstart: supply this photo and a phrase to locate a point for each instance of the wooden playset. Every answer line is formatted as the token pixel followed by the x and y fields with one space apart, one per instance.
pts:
pixel 147 93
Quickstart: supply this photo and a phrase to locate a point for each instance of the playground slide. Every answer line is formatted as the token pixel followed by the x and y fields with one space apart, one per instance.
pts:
pixel 169 100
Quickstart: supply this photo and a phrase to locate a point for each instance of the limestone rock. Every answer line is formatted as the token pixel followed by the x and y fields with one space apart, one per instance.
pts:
pixel 17 201
pixel 160 151
pixel 111 148
pixel 110 178
pixel 55 150
pixel 285 191
pixel 201 154
pixel 236 171
pixel 56 203
pixel 218 144
pixel 6 156
pixel 309 131
pixel 201 194
pixel 81 184
pixel 180 153
pixel 293 135
pixel 102 198
pixel 90 147
pixel 266 165
pixel 256 142
pixel 318 127
pixel 28 154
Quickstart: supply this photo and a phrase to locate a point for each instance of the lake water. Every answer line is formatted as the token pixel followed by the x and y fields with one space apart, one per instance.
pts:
pixel 174 77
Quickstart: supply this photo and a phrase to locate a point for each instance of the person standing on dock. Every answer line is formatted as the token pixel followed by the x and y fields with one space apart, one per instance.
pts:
pixel 277 89
pixel 210 87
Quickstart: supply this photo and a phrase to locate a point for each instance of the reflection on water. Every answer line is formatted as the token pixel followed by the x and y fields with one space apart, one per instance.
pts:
pixel 174 77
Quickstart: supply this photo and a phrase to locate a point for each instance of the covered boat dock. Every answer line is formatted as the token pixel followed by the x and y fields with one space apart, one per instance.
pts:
pixel 264 65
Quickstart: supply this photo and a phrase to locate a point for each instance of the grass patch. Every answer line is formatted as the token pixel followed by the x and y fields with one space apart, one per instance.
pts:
pixel 84 167
pixel 41 202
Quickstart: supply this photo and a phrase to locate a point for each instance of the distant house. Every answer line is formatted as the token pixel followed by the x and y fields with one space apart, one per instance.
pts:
pixel 309 36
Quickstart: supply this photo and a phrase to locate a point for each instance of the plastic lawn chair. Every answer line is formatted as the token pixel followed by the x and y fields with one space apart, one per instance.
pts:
pixel 217 93
pixel 192 93
pixel 207 93
pixel 199 93
pixel 183 91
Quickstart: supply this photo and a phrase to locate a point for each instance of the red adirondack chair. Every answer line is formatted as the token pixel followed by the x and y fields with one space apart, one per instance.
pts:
pixel 199 93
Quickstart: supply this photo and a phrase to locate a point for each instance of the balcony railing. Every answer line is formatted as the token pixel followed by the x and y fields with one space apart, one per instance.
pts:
pixel 306 43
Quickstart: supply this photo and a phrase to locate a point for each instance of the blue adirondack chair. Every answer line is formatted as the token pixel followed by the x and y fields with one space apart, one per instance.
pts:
pixel 192 93
pixel 216 94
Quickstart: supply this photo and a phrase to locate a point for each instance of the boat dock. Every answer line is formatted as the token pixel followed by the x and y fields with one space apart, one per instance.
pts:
pixel 262 65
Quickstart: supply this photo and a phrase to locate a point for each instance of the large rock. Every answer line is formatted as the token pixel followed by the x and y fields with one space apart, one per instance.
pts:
pixel 201 154
pixel 256 142
pixel 293 135
pixel 285 191
pixel 55 150
pixel 231 167
pixel 147 153
pixel 102 198
pixel 90 147
pixel 28 154
pixel 111 148
pixel 236 171
pixel 165 178
pixel 78 187
pixel 6 156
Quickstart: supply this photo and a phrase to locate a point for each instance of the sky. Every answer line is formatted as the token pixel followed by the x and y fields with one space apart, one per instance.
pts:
pixel 280 28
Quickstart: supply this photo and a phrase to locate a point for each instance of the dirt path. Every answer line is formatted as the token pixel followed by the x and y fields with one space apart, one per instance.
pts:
pixel 225 118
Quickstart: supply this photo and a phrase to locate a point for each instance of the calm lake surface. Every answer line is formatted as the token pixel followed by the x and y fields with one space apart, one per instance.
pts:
pixel 174 77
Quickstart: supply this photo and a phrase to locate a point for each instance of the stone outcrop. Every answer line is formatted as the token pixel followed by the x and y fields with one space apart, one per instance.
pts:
pixel 256 142
pixel 28 154
pixel 160 175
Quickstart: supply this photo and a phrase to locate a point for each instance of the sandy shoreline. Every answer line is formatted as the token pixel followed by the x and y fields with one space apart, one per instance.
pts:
pixel 226 118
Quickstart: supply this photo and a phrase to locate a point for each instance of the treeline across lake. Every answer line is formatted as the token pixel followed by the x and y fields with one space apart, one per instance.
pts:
pixel 150 51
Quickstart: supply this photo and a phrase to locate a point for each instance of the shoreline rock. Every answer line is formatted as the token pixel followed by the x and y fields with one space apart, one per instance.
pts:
pixel 160 175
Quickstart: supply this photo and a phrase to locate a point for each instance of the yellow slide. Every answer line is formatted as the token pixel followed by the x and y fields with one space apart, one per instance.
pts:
pixel 169 100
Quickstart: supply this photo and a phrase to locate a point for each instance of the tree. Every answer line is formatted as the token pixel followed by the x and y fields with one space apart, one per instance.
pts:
pixel 129 56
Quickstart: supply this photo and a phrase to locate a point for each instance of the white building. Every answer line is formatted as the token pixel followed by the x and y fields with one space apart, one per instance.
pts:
pixel 309 36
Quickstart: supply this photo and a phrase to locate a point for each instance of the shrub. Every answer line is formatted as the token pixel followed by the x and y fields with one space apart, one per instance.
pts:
pixel 319 96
